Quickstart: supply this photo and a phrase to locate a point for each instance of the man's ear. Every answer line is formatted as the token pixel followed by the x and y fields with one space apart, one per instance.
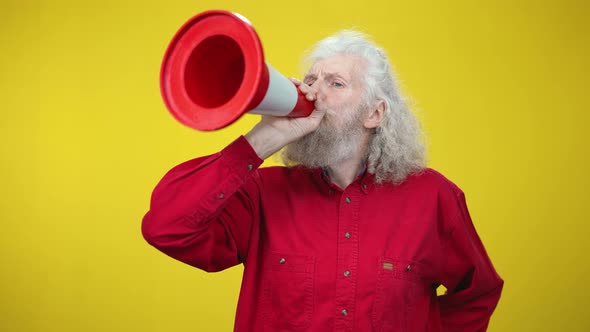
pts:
pixel 375 115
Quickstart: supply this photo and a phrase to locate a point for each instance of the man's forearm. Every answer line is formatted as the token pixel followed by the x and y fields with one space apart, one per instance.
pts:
pixel 264 140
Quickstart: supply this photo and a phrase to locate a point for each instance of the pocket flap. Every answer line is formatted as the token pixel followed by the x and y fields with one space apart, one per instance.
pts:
pixel 401 268
pixel 290 262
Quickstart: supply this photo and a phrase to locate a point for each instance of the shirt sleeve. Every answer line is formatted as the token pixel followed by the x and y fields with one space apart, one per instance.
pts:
pixel 201 212
pixel 473 285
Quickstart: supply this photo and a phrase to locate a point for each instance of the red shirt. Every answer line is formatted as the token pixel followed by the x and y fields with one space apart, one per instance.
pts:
pixel 319 258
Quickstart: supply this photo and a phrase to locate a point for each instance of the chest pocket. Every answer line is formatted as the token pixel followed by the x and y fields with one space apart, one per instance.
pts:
pixel 287 294
pixel 400 289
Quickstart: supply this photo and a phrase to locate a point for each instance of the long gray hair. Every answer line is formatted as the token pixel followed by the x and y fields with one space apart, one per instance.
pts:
pixel 396 149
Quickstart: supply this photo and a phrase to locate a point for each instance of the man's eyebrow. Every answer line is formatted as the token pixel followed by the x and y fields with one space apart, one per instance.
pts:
pixel 334 75
pixel 327 75
pixel 310 77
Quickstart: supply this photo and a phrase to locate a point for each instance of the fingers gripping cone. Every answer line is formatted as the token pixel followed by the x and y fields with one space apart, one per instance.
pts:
pixel 214 71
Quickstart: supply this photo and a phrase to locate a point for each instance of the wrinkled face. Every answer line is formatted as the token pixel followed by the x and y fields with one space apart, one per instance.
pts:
pixel 337 84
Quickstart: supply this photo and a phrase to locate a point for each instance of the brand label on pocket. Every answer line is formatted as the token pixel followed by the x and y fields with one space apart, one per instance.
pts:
pixel 387 266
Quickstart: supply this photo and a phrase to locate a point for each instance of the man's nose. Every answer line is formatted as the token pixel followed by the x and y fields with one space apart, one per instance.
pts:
pixel 316 87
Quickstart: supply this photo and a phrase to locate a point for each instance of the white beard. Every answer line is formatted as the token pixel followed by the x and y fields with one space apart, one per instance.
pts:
pixel 329 144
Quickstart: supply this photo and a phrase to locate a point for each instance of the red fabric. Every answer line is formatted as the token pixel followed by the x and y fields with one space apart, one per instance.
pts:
pixel 311 251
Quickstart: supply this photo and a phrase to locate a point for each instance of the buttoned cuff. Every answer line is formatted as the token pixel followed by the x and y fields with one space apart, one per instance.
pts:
pixel 240 156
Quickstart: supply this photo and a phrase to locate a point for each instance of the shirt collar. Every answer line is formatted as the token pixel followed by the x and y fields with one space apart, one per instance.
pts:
pixel 365 180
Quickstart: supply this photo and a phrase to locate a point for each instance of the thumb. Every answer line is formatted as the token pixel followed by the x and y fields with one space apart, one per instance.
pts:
pixel 317 114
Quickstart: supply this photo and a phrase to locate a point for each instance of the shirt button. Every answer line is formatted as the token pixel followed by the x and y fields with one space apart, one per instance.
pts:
pixel 347 235
pixel 408 268
pixel 364 186
pixel 221 195
pixel 282 261
pixel 347 200
pixel 344 312
pixel 346 273
pixel 250 167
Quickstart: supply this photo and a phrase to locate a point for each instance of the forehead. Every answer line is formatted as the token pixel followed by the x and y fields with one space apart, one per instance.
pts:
pixel 345 65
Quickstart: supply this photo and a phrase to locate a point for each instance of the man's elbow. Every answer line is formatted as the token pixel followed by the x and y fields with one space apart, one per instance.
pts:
pixel 151 230
pixel 163 237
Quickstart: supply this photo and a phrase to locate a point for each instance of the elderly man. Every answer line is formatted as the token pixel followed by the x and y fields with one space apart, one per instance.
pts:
pixel 355 234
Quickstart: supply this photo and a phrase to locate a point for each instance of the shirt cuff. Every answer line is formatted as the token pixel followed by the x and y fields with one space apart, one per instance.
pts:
pixel 240 156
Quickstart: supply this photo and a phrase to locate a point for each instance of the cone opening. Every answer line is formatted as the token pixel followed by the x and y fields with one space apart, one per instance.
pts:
pixel 214 71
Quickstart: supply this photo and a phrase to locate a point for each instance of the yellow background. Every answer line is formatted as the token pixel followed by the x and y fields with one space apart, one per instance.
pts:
pixel 500 86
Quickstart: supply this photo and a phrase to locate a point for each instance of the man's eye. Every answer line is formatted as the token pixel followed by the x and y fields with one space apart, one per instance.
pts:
pixel 338 84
